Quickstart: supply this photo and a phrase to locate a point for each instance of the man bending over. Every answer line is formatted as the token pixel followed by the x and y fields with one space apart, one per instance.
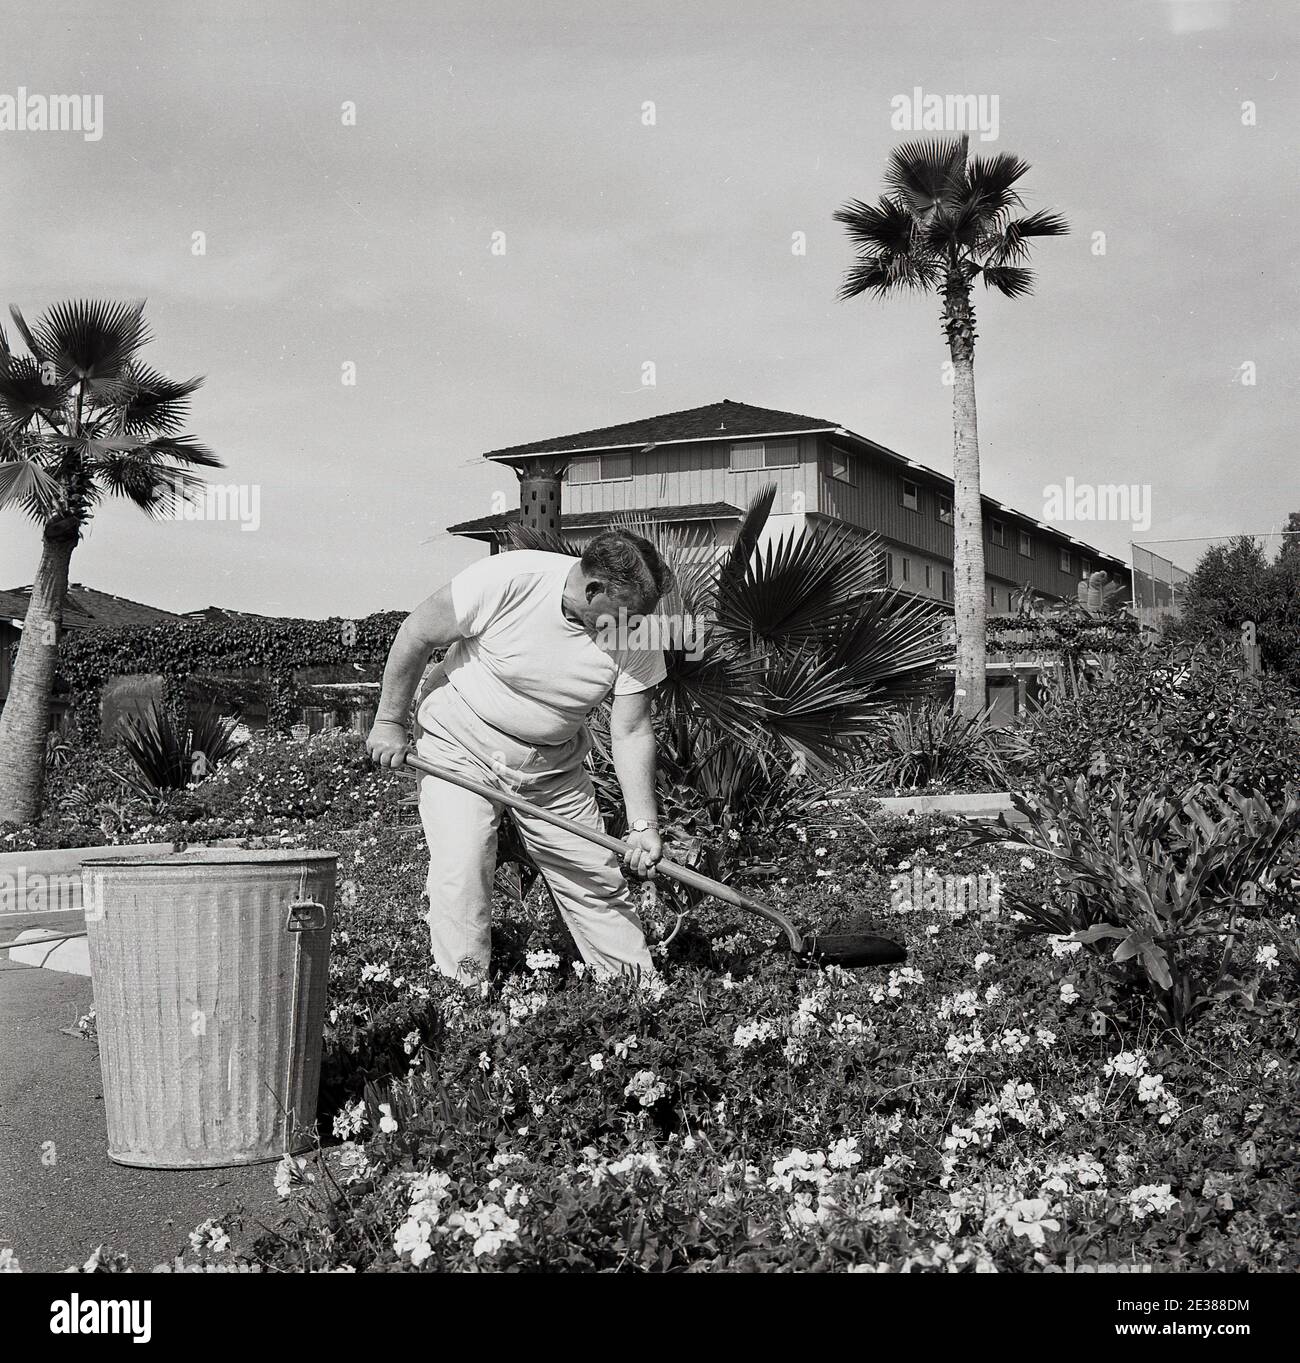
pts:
pixel 533 645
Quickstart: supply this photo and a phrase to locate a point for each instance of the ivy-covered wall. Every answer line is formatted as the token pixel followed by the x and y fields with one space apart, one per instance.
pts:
pixel 239 662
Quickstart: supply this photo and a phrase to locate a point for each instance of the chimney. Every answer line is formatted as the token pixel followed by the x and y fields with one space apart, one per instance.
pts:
pixel 540 494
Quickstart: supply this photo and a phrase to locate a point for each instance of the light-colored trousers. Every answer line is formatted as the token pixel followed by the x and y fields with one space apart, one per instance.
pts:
pixel 461 830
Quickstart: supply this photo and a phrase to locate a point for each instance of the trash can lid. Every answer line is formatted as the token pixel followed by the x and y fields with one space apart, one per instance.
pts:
pixel 217 856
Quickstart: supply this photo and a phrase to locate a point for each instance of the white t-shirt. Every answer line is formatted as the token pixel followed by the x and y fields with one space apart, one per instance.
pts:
pixel 521 664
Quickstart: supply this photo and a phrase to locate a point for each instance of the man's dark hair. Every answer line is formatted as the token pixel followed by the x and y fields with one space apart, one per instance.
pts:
pixel 630 567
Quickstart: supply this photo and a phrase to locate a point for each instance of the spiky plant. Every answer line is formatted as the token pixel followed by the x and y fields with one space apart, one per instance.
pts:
pixel 785 654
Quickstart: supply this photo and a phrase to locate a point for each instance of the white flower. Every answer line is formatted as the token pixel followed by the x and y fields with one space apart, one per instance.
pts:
pixel 629 1043
pixel 1063 946
pixel 489 1227
pixel 596 1061
pixel 211 1235
pixel 1267 957
pixel 982 960
pixel 748 1033
pixel 1150 1197
pixel 1027 864
pixel 413 1238
pixel 9 1261
pixel 819 852
pixel 351 1121
pixel 1130 1063
pixel 291 1174
pixel 1068 993
pixel 387 1122
pixel 1029 1218
pixel 542 960
pixel 844 1153
pixel 646 1087
pixel 1044 1036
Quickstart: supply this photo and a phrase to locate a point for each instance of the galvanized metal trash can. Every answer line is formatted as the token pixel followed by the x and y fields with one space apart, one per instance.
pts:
pixel 210 970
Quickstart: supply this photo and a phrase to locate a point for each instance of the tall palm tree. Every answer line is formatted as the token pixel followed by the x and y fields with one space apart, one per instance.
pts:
pixel 81 419
pixel 946 219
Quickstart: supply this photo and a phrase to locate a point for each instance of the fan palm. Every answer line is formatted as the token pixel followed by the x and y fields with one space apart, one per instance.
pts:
pixel 947 219
pixel 797 652
pixel 82 418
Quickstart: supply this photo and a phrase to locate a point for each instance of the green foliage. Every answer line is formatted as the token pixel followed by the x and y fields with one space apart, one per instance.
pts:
pixel 1159 886
pixel 167 753
pixel 774 1117
pixel 1237 592
pixel 1161 718
pixel 930 744
pixel 180 652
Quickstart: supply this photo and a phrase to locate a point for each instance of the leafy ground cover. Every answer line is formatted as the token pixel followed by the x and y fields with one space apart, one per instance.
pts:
pixel 1007 1100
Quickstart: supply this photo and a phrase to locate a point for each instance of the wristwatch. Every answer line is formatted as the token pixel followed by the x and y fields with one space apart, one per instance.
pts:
pixel 644 825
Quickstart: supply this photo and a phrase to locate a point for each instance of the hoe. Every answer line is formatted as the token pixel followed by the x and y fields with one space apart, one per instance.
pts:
pixel 849 950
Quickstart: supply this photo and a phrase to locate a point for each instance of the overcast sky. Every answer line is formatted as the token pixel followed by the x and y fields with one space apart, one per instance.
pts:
pixel 627 242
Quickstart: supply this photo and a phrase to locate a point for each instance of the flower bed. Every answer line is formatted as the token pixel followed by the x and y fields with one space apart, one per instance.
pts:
pixel 1001 1102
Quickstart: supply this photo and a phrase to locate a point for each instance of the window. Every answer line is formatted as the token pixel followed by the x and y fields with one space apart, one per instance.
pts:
pixel 1065 562
pixel 911 495
pixel 1026 545
pixel 943 509
pixel 998 533
pixel 947 586
pixel 600 468
pixel 841 467
pixel 928 576
pixel 889 567
pixel 1085 568
pixel 764 454
pixel 907 570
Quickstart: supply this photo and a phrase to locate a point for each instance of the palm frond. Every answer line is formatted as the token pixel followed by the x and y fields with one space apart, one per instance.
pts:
pixel 1010 245
pixel 1012 280
pixel 735 562
pixel 990 179
pixel 24 483
pixel 926 174
pixel 157 489
pixel 796 588
pixel 92 340
pixel 152 403
pixel 26 396
pixel 526 537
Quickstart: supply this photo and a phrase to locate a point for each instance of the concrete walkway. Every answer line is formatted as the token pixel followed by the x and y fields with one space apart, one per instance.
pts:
pixel 60 1195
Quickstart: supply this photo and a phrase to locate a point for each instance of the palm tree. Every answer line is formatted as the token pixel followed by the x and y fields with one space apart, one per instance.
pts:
pixel 945 220
pixel 81 419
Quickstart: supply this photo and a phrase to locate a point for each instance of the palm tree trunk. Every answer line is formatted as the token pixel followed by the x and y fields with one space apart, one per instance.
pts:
pixel 968 519
pixel 25 720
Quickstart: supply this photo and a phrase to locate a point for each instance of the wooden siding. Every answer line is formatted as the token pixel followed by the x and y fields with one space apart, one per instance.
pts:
pixel 690 475
pixel 876 503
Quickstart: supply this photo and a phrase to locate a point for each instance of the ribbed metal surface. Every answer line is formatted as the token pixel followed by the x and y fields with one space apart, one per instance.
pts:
pixel 210 1011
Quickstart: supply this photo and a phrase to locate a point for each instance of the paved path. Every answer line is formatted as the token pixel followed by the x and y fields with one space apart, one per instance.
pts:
pixel 50 1091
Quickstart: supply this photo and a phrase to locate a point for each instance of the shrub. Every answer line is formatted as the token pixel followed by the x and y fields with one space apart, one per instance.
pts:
pixel 1167 880
pixel 1160 719
pixel 930 744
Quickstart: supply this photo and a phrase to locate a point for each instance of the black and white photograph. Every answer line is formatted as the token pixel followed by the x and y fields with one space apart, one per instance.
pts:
pixel 649 639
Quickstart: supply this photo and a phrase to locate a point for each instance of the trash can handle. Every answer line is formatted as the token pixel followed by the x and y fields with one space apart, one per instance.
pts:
pixel 305 915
